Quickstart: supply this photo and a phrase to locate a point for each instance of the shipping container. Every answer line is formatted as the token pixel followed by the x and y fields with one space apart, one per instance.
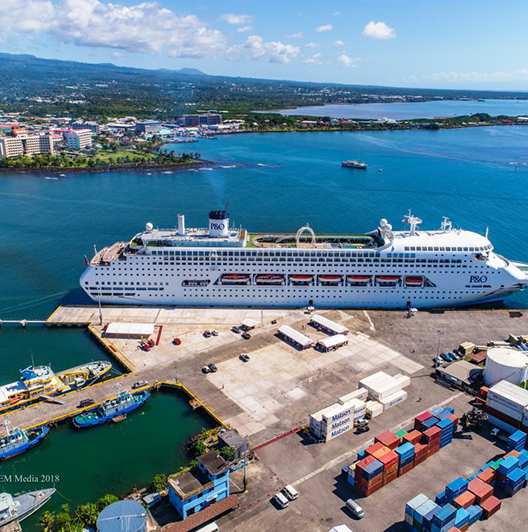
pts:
pixel 374 409
pixel 405 380
pixel 361 394
pixel 509 395
pixel 489 507
pixel 389 439
pixel 393 399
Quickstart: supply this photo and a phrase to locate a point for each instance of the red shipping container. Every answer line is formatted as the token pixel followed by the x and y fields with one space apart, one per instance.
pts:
pixel 373 448
pixel 433 449
pixel 454 418
pixel 483 392
pixel 514 453
pixel 455 529
pixel 503 417
pixel 479 401
pixel 488 475
pixel 379 454
pixel 465 500
pixel 361 465
pixel 418 420
pixel 405 469
pixel 419 459
pixel 390 478
pixel 481 490
pixel 389 460
pixel 412 437
pixel 432 434
pixel 421 449
pixel 490 506
pixel 389 439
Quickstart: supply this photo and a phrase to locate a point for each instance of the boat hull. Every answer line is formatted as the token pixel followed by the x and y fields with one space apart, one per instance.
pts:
pixel 15 451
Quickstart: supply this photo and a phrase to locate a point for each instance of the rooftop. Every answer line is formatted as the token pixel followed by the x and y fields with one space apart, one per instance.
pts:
pixel 213 462
pixel 187 483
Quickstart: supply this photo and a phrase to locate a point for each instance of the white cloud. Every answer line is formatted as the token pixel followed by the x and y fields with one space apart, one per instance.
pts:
pixel 145 27
pixel 457 77
pixel 348 61
pixel 244 29
pixel 324 45
pixel 299 35
pixel 314 45
pixel 378 30
pixel 231 18
pixel 314 60
pixel 255 48
pixel 338 43
pixel 328 27
pixel 336 13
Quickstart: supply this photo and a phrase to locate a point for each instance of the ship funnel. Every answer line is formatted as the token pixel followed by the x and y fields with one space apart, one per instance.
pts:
pixel 181 224
pixel 218 224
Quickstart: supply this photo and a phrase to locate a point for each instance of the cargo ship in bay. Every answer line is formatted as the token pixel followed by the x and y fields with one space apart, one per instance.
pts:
pixel 37 382
pixel 226 266
pixel 123 404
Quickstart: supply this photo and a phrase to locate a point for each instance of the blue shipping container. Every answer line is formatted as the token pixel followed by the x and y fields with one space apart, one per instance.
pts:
pixel 436 410
pixel 450 409
pixel 517 476
pixel 456 488
pixel 414 503
pixel 361 454
pixel 444 516
pixel 462 517
pixel 508 465
pixel 443 415
pixel 441 498
pixel 428 423
pixel 475 513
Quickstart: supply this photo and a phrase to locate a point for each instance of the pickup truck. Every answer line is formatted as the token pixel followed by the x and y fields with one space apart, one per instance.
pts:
pixel 500 435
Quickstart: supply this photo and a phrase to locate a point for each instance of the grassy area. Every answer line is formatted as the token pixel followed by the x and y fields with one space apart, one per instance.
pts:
pixel 105 155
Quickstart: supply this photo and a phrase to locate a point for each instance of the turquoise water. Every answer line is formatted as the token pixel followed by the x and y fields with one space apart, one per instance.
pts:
pixel 408 111
pixel 270 182
pixel 84 465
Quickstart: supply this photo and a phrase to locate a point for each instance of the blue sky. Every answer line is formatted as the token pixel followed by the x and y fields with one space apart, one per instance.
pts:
pixel 476 44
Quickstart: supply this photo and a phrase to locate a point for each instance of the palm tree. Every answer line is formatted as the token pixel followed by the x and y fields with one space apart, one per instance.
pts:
pixel 47 520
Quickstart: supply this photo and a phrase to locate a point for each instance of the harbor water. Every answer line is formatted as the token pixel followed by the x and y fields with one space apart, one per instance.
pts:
pixel 269 182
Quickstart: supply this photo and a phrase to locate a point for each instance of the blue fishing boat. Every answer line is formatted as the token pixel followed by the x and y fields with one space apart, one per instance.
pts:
pixel 19 440
pixel 123 404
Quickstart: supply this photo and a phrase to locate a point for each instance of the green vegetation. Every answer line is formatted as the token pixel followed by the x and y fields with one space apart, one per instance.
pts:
pixel 84 516
pixel 228 453
pixel 159 483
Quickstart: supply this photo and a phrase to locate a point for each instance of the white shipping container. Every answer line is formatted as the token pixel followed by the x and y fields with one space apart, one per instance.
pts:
pixel 360 394
pixel 364 382
pixel 375 409
pixel 404 379
pixel 506 401
pixel 339 431
pixel 510 395
pixel 393 399
pixel 338 412
pixel 385 388
pixel 514 414
pixel 334 426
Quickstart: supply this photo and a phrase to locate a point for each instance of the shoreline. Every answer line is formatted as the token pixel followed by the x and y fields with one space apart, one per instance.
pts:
pixel 100 169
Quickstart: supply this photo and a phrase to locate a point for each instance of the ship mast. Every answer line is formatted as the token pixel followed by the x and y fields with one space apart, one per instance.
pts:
pixel 6 426
pixel 413 221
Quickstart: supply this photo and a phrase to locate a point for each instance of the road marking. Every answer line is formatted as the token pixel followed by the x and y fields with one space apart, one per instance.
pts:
pixel 365 313
pixel 353 452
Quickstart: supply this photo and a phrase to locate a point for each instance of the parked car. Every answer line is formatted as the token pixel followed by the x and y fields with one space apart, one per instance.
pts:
pixel 206 369
pixel 236 329
pixel 139 384
pixel 85 402
pixel 244 357
pixel 446 357
pixel 281 500
pixel 246 336
pixel 290 492
pixel 214 332
pixel 212 368
pixel 207 334
pixel 176 341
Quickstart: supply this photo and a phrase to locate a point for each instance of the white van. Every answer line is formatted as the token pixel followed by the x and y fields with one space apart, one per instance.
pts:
pixel 290 492
pixel 211 527
pixel 281 500
pixel 355 508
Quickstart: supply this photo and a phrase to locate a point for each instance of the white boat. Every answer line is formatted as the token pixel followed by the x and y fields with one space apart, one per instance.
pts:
pixel 352 163
pixel 23 505
pixel 224 266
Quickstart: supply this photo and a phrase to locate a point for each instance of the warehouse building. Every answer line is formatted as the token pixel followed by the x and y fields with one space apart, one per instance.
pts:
pixel 332 343
pixel 295 337
pixel 328 326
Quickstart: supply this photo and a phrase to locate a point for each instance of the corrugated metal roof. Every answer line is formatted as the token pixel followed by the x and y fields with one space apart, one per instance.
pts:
pixel 295 336
pixel 130 329
pixel 333 340
pixel 511 391
pixel 325 322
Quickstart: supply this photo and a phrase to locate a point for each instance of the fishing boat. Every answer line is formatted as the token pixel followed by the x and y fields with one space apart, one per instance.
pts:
pixel 37 382
pixel 18 440
pixel 23 505
pixel 352 163
pixel 119 418
pixel 124 403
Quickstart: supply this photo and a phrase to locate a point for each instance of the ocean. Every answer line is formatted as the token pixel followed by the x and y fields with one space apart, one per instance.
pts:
pixel 268 182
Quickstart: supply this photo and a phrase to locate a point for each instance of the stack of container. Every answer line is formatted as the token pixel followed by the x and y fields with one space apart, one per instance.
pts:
pixel 389 439
pixel 480 489
pixel 462 520
pixel 447 428
pixel 455 489
pixel 385 389
pixel 412 437
pixel 410 510
pixel 516 442
pixel 515 481
pixel 421 452
pixel 406 458
pixel 368 477
pixel 475 513
pixel 490 506
pixel 506 467
pixel 444 519
pixel 507 406
pixel 432 438
pixel 390 463
pixel 424 421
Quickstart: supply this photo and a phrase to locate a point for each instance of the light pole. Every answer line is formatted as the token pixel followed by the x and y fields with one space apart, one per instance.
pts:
pixel 438 349
pixel 176 370
pixel 245 462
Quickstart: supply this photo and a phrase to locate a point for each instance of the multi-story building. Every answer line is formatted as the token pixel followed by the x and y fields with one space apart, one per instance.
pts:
pixel 78 139
pixel 148 126
pixel 21 143
pixel 202 120
pixel 85 124
pixel 194 490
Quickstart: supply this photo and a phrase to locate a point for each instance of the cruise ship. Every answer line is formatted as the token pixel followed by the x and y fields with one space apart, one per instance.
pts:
pixel 224 266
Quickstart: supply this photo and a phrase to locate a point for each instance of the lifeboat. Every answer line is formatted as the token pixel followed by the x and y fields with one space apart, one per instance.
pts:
pixel 301 278
pixel 330 278
pixel 359 279
pixel 414 281
pixel 269 278
pixel 235 278
pixel 387 279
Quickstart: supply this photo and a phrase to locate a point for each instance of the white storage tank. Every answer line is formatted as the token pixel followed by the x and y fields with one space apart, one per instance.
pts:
pixel 503 363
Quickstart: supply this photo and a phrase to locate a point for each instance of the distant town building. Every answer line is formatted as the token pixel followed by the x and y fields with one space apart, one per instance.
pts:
pixel 202 120
pixel 20 143
pixel 78 139
pixel 148 126
pixel 85 124
pixel 192 491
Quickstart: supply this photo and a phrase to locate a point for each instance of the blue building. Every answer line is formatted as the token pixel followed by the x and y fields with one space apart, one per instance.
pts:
pixel 194 490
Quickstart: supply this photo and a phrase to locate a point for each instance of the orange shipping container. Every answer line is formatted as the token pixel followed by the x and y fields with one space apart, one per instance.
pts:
pixel 488 475
pixel 465 500
pixel 389 439
pixel 412 437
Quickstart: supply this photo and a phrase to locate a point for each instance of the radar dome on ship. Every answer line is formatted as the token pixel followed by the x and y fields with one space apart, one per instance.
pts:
pixel 388 227
pixel 503 363
pixel 149 226
pixel 383 222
